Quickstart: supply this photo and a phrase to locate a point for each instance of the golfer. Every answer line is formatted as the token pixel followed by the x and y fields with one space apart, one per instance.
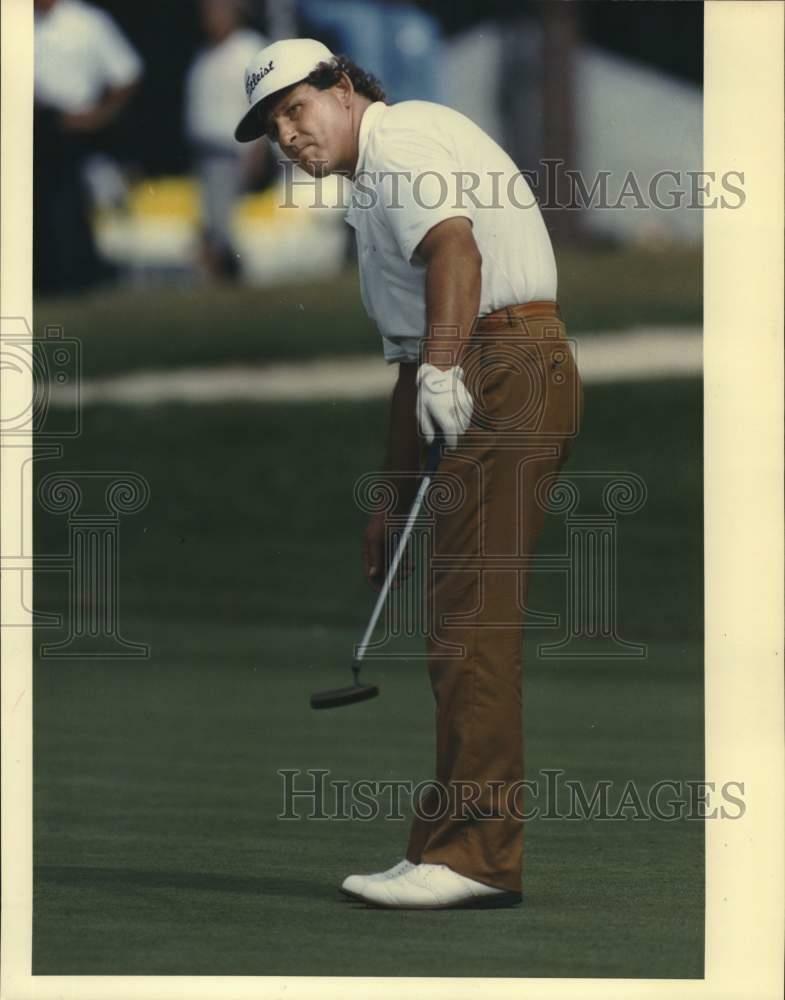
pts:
pixel 458 273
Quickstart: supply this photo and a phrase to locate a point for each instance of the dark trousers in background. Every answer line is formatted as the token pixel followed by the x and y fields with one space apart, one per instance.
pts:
pixel 528 405
pixel 64 253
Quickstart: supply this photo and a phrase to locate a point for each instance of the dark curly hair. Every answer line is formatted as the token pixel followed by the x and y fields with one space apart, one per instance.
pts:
pixel 327 74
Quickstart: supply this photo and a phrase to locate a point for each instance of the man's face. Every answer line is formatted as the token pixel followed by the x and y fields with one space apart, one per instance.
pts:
pixel 313 128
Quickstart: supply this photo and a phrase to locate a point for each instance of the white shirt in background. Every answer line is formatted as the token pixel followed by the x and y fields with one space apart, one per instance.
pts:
pixel 439 145
pixel 79 53
pixel 214 94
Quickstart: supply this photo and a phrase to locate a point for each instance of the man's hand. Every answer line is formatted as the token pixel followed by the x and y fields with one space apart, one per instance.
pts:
pixel 443 403
pixel 375 555
pixel 99 116
pixel 82 121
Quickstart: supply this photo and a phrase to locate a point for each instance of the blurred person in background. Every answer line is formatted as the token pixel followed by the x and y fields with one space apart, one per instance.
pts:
pixel 214 99
pixel 86 72
pixel 396 41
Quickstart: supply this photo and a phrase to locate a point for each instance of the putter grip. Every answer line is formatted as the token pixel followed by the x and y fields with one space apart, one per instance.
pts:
pixel 434 456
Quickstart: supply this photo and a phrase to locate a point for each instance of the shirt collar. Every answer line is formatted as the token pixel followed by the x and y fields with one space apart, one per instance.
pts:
pixel 369 119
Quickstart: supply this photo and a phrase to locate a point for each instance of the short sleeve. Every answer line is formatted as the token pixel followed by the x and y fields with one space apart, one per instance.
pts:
pixel 393 353
pixel 420 186
pixel 120 64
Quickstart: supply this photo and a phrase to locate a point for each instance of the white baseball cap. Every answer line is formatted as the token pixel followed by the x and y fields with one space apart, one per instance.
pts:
pixel 274 68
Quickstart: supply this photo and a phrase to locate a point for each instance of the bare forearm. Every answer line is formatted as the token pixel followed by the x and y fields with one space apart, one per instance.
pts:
pixel 452 297
pixel 452 289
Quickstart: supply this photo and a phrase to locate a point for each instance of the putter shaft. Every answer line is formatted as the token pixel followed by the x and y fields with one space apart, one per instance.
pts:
pixel 425 482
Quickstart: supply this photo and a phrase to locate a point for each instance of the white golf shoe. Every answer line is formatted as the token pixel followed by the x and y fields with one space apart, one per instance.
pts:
pixel 354 884
pixel 434 887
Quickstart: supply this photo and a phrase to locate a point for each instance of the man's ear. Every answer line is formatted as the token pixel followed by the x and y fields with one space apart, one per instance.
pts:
pixel 345 89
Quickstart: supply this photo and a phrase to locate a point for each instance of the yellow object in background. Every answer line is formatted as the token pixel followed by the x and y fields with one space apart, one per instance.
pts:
pixel 180 198
pixel 171 197
pixel 259 207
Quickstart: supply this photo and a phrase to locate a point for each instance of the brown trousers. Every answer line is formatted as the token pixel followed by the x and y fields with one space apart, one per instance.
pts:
pixel 528 403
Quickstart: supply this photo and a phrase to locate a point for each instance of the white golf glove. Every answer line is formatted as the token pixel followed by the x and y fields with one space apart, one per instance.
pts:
pixel 443 402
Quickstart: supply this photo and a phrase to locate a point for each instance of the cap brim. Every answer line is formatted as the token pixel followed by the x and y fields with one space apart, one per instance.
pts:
pixel 252 124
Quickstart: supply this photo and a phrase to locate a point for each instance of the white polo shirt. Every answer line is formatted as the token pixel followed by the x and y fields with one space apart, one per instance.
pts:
pixel 214 93
pixel 420 163
pixel 79 53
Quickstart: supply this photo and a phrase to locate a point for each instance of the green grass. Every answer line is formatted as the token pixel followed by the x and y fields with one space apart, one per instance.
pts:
pixel 159 851
pixel 131 329
pixel 252 515
pixel 157 846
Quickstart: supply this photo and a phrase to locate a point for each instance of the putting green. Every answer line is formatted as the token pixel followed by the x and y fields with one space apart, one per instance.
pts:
pixel 157 843
pixel 159 849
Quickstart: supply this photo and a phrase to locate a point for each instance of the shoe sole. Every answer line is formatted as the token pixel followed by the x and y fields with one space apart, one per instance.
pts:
pixel 475 903
pixel 351 895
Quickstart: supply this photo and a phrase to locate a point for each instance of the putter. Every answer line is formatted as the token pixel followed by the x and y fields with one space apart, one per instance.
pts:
pixel 358 691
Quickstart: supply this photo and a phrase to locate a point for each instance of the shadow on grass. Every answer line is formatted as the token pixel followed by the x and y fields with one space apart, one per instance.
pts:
pixel 85 876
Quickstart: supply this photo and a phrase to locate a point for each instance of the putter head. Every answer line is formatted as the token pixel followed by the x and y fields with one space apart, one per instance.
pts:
pixel 344 696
